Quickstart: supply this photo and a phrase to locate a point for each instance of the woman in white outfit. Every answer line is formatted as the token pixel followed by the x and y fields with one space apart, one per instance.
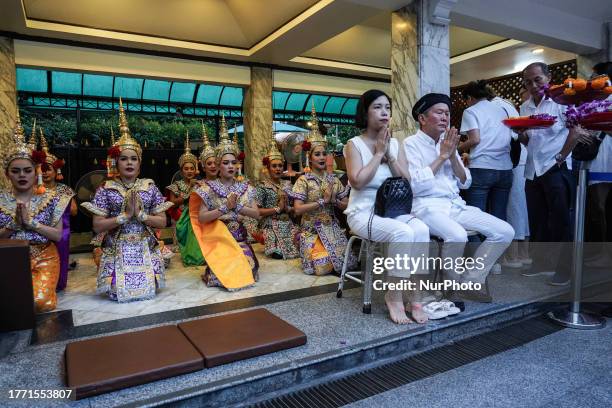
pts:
pixel 371 158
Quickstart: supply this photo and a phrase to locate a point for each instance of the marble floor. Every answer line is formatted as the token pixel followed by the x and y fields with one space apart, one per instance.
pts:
pixel 184 288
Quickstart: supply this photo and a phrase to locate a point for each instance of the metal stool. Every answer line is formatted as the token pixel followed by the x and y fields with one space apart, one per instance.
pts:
pixel 367 250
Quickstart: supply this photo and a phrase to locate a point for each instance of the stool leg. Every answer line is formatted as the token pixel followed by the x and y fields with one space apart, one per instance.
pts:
pixel 347 252
pixel 367 279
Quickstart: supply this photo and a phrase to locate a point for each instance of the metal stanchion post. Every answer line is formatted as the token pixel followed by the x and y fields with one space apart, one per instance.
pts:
pixel 573 317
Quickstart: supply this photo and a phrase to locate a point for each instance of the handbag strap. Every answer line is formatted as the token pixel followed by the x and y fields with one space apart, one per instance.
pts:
pixel 370 225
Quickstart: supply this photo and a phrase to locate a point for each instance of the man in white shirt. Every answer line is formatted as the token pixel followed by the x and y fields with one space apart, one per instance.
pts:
pixel 550 186
pixel 437 174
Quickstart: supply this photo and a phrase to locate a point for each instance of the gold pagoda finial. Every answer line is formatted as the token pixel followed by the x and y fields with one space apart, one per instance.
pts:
pixel 123 124
pixel 225 146
pixel 19 149
pixel 32 141
pixel 223 128
pixel 126 141
pixel 314 136
pixel 207 149
pixel 43 141
pixel 274 153
pixel 236 135
pixel 188 157
pixel 112 136
pixel 49 157
pixel 314 122
pixel 19 133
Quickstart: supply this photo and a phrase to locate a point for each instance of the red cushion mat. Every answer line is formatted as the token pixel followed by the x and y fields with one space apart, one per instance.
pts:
pixel 104 364
pixel 237 336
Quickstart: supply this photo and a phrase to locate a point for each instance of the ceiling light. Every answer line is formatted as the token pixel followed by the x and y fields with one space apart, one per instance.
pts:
pixel 401 26
pixel 537 50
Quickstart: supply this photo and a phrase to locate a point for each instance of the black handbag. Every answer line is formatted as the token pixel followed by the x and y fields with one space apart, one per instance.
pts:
pixel 393 198
pixel 515 147
pixel 515 152
pixel 588 152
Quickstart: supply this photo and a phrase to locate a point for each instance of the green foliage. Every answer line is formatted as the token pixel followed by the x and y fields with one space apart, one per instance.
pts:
pixel 346 132
pixel 60 128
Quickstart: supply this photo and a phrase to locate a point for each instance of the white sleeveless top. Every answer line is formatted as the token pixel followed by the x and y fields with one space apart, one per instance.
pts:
pixel 363 199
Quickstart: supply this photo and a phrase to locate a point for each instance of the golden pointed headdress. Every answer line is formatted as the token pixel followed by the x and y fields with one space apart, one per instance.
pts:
pixel 315 137
pixel 226 145
pixel 126 141
pixel 32 143
pixel 19 149
pixel 50 158
pixel 207 149
pixel 188 157
pixel 274 153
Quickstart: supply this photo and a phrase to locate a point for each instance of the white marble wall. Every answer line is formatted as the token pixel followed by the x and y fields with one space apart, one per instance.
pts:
pixel 257 112
pixel 585 63
pixel 434 55
pixel 405 86
pixel 8 98
pixel 420 62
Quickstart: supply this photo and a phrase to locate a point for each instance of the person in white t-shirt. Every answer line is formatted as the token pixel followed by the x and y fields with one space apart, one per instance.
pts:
pixel 488 145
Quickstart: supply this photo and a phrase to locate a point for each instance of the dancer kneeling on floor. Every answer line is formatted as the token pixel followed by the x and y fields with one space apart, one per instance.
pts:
pixel 316 193
pixel 217 209
pixel 127 209
pixel 437 175
pixel 178 193
pixel 33 216
pixel 371 158
pixel 279 231
pixel 51 174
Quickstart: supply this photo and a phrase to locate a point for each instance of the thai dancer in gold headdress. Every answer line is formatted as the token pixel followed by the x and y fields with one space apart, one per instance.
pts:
pixel 280 234
pixel 32 217
pixel 51 174
pixel 316 193
pixel 217 209
pixel 128 209
pixel 207 157
pixel 178 193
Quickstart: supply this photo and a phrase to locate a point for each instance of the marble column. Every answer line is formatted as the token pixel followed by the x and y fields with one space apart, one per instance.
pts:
pixel 257 113
pixel 8 99
pixel 420 62
pixel 585 63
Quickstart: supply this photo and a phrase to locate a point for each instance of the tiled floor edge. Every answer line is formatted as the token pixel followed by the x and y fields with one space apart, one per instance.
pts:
pixel 311 370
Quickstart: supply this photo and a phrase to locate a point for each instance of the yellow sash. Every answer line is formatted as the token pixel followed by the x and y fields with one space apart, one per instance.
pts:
pixel 222 253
